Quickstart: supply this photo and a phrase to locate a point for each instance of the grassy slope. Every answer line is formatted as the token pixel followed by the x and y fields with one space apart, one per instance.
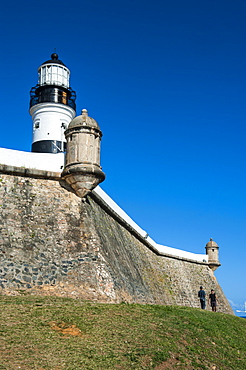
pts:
pixel 58 334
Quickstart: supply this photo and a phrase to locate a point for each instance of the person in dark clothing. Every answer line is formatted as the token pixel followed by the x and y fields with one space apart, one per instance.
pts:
pixel 213 300
pixel 202 295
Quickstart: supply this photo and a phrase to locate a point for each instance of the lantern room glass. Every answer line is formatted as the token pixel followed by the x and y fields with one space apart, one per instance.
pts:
pixel 53 74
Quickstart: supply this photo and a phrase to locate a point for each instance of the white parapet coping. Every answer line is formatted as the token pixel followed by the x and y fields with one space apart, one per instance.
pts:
pixel 55 162
pixel 38 161
pixel 161 249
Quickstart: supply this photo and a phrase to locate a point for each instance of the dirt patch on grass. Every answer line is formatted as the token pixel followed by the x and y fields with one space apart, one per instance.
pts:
pixel 66 329
pixel 174 363
pixel 169 364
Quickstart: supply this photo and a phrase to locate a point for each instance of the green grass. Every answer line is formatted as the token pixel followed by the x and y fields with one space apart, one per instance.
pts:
pixel 120 336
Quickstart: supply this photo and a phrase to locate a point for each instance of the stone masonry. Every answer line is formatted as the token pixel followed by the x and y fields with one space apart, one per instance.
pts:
pixel 54 243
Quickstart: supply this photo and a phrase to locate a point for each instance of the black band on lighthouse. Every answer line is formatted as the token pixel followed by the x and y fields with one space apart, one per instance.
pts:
pixel 49 146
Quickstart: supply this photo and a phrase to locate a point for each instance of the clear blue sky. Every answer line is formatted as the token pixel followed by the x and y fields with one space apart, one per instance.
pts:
pixel 166 82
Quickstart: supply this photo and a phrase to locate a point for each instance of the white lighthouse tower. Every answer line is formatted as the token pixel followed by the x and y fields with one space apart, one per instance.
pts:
pixel 52 107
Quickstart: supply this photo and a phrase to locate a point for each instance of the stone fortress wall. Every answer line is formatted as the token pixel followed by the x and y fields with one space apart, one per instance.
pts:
pixel 55 243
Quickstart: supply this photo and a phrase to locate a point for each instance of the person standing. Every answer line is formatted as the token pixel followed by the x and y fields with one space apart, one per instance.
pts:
pixel 213 300
pixel 202 295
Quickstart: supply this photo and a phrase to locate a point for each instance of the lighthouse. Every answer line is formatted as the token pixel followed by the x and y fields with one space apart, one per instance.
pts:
pixel 52 106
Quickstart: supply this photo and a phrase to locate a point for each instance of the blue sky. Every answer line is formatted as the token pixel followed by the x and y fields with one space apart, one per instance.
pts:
pixel 166 82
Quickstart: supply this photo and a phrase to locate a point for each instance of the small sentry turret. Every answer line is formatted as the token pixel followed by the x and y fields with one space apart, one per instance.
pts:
pixel 82 171
pixel 52 106
pixel 212 250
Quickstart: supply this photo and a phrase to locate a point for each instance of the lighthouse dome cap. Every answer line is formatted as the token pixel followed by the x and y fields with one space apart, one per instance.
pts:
pixel 54 60
pixel 211 243
pixel 84 120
